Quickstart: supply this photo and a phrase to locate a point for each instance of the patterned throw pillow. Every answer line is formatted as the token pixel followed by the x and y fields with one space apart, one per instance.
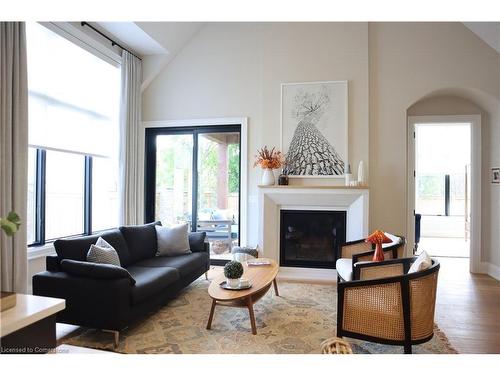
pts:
pixel 103 252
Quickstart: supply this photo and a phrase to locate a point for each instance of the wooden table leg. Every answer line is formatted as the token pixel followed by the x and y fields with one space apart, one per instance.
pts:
pixel 209 324
pixel 276 288
pixel 252 316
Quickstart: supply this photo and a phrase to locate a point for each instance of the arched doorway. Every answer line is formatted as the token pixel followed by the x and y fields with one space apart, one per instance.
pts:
pixel 444 177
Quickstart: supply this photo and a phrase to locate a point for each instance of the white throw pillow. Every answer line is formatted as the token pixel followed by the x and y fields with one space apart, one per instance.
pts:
pixel 103 252
pixel 422 262
pixel 173 240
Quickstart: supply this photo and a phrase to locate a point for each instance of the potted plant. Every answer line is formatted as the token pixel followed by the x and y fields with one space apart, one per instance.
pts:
pixel 269 160
pixel 233 271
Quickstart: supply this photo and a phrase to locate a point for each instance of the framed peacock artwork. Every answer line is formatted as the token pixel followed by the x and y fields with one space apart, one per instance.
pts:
pixel 314 128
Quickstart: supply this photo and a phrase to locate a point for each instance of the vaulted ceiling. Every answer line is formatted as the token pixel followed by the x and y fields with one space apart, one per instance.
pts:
pixel 159 42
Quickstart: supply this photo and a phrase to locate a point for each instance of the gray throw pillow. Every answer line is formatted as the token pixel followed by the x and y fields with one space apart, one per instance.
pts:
pixel 103 252
pixel 173 240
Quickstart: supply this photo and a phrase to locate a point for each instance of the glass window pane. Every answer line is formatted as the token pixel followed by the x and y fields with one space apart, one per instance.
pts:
pixel 105 208
pixel 218 191
pixel 30 219
pixel 174 176
pixel 64 189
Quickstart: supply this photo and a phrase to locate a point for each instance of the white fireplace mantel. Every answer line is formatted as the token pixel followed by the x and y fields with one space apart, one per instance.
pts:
pixel 353 200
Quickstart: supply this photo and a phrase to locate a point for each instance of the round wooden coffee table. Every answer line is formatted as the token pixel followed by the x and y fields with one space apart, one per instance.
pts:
pixel 261 278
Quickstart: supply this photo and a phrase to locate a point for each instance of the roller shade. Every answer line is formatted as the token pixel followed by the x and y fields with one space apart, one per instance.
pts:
pixel 73 96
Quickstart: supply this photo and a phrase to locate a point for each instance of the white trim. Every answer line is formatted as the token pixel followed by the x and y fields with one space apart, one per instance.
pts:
pixel 346 161
pixel 476 177
pixel 242 121
pixel 308 275
pixel 36 252
pixel 491 270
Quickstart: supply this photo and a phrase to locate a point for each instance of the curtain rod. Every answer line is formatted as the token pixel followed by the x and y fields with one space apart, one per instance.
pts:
pixel 113 43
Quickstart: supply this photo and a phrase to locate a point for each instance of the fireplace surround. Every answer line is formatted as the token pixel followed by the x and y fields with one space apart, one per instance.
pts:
pixel 310 238
pixel 354 201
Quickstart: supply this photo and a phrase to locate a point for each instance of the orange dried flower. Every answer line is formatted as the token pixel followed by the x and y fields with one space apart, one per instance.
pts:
pixel 269 159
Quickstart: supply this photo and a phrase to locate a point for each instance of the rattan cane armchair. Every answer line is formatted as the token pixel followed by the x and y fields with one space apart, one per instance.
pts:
pixel 387 305
pixel 361 251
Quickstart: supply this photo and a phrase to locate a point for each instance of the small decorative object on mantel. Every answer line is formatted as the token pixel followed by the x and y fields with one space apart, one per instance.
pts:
pixel 283 179
pixel 361 174
pixel 495 175
pixel 268 160
pixel 378 238
pixel 233 271
pixel 348 175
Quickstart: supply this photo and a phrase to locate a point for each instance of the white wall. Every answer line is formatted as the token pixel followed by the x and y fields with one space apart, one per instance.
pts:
pixel 410 61
pixel 237 69
pixel 233 70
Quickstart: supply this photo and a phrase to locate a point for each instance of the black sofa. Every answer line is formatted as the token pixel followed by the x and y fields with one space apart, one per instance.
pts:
pixel 108 297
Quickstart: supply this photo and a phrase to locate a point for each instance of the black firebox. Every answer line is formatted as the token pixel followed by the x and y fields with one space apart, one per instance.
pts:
pixel 311 238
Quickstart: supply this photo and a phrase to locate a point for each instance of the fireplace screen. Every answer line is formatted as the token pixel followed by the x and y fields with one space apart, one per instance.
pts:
pixel 311 238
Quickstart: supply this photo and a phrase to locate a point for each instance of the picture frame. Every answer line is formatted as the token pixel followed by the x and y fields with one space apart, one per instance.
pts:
pixel 495 175
pixel 318 111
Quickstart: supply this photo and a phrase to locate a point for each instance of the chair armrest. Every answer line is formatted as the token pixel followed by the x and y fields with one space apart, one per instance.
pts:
pixel 384 269
pixel 90 302
pixel 95 270
pixel 52 263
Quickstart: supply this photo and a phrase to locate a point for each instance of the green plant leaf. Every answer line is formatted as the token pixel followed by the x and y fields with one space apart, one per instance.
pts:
pixel 8 227
pixel 14 218
pixel 11 224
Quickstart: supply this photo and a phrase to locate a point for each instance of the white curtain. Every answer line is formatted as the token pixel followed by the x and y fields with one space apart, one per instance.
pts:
pixel 130 117
pixel 13 152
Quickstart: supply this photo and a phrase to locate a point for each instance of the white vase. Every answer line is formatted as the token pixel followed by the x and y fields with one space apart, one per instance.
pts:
pixel 361 173
pixel 267 177
pixel 233 283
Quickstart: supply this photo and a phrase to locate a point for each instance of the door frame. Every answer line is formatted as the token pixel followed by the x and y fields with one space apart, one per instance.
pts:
pixel 476 177
pixel 203 123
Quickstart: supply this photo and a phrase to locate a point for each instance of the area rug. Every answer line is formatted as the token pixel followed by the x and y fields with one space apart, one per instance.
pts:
pixel 296 322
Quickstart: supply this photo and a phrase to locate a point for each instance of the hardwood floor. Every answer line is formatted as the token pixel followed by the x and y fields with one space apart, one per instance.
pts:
pixel 468 308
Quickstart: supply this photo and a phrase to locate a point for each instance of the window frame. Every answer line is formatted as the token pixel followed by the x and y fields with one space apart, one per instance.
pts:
pixel 40 199
pixel 73 32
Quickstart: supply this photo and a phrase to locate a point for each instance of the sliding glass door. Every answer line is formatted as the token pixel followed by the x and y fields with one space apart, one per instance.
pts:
pixel 193 176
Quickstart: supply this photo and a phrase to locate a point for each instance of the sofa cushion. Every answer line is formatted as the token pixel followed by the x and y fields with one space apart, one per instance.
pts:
pixel 197 241
pixel 172 240
pixel 150 281
pixel 141 240
pixel 77 248
pixel 344 268
pixel 185 264
pixel 421 263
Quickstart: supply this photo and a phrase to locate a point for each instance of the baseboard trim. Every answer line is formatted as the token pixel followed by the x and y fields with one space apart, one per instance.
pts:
pixel 491 270
pixel 310 275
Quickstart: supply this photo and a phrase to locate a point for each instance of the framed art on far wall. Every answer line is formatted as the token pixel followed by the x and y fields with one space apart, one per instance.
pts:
pixel 495 175
pixel 314 134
